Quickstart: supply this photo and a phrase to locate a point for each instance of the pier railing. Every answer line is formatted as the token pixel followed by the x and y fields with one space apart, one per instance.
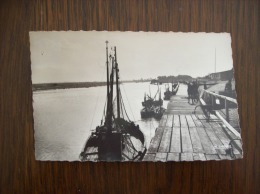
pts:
pixel 218 101
pixel 227 107
pixel 228 113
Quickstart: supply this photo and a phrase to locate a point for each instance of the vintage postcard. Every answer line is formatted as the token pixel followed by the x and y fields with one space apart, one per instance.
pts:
pixel 134 96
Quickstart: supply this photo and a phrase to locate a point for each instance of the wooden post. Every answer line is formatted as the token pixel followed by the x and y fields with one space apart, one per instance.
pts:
pixel 227 110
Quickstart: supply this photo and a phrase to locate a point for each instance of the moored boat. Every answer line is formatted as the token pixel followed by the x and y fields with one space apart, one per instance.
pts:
pixel 118 138
pixel 152 107
pixel 169 93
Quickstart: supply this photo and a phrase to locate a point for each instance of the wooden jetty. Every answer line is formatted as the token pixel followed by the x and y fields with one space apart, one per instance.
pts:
pixel 183 135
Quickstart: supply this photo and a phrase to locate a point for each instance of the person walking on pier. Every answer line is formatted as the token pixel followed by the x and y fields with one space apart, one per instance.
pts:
pixel 194 92
pixel 189 91
pixel 228 87
pixel 205 86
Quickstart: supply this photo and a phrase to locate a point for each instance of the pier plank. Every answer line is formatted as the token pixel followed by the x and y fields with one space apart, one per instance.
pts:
pixel 176 121
pixel 169 121
pixel 201 117
pixel 220 133
pixel 190 121
pixel 212 156
pixel 173 157
pixel 225 157
pixel 149 157
pixel 196 121
pixel 186 156
pixel 166 140
pixel 205 141
pixel 183 121
pixel 185 137
pixel 199 156
pixel 180 112
pixel 226 139
pixel 176 140
pixel 218 145
pixel 161 157
pixel 204 121
pixel 232 136
pixel 163 120
pixel 196 142
pixel 155 142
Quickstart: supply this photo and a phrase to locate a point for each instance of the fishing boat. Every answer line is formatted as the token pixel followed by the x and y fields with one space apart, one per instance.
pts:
pixel 169 93
pixel 152 112
pixel 149 101
pixel 152 107
pixel 118 138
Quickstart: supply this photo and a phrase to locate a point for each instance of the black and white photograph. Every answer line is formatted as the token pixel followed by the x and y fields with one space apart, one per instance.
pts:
pixel 134 96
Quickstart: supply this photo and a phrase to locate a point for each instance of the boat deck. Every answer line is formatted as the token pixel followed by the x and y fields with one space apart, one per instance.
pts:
pixel 183 135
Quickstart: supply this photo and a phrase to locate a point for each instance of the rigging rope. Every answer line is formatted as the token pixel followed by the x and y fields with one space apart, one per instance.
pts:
pixel 94 110
pixel 129 147
pixel 128 102
pixel 124 108
pixel 100 76
pixel 121 105
pixel 155 94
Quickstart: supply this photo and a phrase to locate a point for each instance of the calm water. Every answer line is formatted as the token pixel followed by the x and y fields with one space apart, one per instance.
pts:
pixel 63 119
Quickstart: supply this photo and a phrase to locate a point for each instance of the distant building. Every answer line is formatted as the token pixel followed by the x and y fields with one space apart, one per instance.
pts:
pixel 223 75
pixel 154 81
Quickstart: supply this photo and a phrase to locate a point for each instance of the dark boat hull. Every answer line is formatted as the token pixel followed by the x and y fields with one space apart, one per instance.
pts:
pixel 147 113
pixel 154 112
pixel 150 103
pixel 116 145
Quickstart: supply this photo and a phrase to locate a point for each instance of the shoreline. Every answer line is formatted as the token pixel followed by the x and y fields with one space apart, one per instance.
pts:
pixel 55 86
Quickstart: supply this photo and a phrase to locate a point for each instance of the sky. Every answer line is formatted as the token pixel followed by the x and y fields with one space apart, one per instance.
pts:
pixel 80 56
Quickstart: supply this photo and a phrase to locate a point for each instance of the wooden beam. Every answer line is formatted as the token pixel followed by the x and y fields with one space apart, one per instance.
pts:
pixel 221 96
pixel 228 125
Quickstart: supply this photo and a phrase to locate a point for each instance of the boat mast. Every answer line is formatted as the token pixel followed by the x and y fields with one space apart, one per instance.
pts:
pixel 108 101
pixel 110 83
pixel 111 97
pixel 117 87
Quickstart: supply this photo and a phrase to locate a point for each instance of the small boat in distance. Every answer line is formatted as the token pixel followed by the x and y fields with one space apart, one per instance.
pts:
pixel 118 138
pixel 168 94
